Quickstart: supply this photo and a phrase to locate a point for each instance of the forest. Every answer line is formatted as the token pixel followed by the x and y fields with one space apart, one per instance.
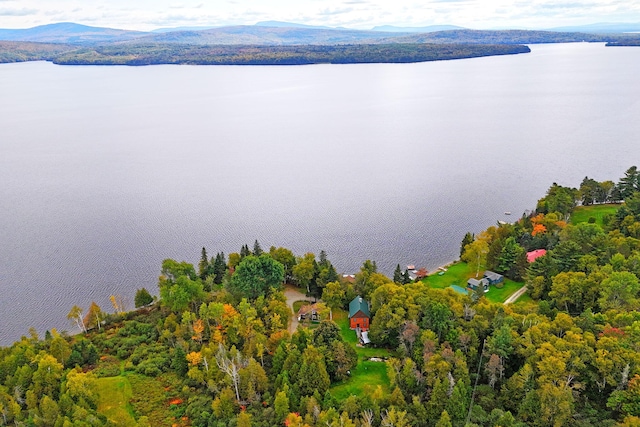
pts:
pixel 147 54
pixel 214 348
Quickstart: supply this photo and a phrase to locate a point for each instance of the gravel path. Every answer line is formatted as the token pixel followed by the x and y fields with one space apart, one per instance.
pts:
pixel 293 294
pixel 517 294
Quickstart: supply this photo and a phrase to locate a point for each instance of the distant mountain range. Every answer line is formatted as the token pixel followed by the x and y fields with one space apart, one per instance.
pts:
pixel 602 28
pixel 267 35
pixel 275 33
pixel 68 32
pixel 428 29
pixel 286 33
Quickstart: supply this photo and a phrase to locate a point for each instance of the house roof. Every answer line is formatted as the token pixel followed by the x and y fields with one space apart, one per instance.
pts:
pixel 306 309
pixel 473 282
pixel 533 255
pixel 492 276
pixel 359 304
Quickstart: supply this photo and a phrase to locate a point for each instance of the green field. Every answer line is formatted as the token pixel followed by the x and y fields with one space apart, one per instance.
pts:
pixel 583 213
pixel 115 394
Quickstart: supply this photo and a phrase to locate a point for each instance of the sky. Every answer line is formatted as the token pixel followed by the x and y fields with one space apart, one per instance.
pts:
pixel 361 14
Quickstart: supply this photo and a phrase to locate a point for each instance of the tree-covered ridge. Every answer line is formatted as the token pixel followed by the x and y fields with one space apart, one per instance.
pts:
pixel 26 51
pixel 216 349
pixel 138 54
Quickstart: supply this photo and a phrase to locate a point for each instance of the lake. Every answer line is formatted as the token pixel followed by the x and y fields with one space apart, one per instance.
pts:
pixel 106 171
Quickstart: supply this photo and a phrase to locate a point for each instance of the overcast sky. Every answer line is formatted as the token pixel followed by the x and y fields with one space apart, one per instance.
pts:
pixel 150 14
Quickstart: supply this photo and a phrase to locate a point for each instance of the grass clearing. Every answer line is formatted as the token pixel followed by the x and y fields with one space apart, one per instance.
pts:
pixel 498 295
pixel 456 274
pixel 583 213
pixel 367 375
pixel 115 394
pixel 365 379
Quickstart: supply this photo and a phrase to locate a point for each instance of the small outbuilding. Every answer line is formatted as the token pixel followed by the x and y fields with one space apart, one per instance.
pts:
pixel 359 314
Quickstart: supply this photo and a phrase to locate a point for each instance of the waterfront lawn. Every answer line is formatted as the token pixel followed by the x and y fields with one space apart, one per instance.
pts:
pixel 114 396
pixel 456 274
pixel 583 213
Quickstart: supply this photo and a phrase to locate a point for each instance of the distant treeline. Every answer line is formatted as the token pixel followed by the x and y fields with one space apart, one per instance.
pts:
pixel 11 51
pixel 279 55
pixel 632 42
pixel 513 37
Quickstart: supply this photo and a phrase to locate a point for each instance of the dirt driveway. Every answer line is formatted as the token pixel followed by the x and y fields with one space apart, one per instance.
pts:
pixel 517 294
pixel 293 294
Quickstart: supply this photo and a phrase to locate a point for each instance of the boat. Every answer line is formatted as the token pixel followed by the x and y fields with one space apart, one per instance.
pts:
pixel 507 213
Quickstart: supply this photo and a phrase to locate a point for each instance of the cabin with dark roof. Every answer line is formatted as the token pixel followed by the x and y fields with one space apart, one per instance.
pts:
pixel 493 278
pixel 359 315
pixel 474 283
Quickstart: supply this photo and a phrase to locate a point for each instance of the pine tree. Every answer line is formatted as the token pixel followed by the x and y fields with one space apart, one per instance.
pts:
pixel 257 250
pixel 444 421
pixel 397 275
pixel 406 278
pixel 244 251
pixel 467 239
pixel 203 265
pixel 219 268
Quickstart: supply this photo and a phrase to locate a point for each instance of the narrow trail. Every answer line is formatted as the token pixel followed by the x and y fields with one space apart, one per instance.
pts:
pixel 517 294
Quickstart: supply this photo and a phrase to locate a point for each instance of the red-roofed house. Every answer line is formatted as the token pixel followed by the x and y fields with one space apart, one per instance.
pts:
pixel 533 255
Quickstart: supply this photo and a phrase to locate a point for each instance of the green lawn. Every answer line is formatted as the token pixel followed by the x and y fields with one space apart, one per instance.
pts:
pixel 500 295
pixel 115 394
pixel 365 379
pixel 368 375
pixel 298 304
pixel 583 213
pixel 458 274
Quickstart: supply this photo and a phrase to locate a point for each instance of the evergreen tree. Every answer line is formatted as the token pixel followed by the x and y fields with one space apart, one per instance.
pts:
pixel 467 239
pixel 203 265
pixel 406 279
pixel 313 373
pixel 179 361
pixel 629 183
pixel 444 421
pixel 257 250
pixel 142 298
pixel 398 277
pixel 219 268
pixel 244 251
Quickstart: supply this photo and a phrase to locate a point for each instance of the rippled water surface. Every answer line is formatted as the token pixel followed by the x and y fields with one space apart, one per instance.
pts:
pixel 106 171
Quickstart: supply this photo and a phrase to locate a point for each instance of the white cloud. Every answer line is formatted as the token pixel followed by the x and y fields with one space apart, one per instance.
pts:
pixel 17 12
pixel 146 14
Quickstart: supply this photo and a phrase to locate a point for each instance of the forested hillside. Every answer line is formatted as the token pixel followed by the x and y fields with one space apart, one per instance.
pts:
pixel 215 348
pixel 128 54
